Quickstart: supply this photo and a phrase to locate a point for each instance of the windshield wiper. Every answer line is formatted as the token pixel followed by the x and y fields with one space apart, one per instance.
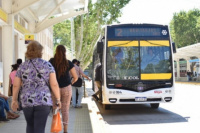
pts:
pixel 122 43
pixel 153 43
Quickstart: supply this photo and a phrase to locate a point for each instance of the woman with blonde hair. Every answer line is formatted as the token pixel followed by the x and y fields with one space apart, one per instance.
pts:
pixel 35 76
pixel 64 68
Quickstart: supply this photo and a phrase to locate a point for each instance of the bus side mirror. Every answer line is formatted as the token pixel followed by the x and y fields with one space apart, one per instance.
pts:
pixel 100 47
pixel 174 47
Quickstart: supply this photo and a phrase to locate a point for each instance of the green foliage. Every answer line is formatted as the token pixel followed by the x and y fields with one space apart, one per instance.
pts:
pixel 101 13
pixel 185 27
pixel 62 33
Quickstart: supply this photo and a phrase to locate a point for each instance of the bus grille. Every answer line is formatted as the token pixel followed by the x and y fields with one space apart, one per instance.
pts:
pixel 133 100
pixel 147 86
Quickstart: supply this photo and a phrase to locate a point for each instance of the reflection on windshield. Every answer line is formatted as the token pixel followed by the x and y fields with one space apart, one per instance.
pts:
pixel 123 63
pixel 155 59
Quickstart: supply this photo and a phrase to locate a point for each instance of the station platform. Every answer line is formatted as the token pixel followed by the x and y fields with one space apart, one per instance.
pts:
pixel 81 120
pixel 84 120
pixel 189 82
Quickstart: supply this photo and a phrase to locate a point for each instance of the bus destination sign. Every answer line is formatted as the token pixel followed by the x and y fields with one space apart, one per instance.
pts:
pixel 137 32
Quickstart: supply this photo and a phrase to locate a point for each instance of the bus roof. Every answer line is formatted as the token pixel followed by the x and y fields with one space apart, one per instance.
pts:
pixel 132 24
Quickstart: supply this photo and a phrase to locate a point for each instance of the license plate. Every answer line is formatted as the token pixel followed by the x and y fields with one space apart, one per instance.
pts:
pixel 140 99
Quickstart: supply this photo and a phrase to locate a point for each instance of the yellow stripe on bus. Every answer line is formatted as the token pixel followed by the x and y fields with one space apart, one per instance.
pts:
pixel 155 43
pixel 156 76
pixel 122 43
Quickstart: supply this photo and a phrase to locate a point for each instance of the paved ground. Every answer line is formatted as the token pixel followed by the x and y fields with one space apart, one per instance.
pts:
pixel 189 82
pixel 84 120
pixel 181 116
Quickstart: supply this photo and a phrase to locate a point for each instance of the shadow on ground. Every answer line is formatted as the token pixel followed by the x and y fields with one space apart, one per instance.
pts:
pixel 138 114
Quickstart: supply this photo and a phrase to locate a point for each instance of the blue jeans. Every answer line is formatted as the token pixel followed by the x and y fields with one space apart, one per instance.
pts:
pixel 3 105
pixel 80 95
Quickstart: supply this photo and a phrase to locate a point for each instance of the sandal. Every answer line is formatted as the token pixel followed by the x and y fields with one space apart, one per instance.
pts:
pixel 12 116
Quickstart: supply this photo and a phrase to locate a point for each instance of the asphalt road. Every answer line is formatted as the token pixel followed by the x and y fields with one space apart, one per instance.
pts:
pixel 182 116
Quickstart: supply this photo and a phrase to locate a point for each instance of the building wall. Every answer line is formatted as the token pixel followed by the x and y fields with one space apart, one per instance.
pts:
pixel 45 37
pixel 12 43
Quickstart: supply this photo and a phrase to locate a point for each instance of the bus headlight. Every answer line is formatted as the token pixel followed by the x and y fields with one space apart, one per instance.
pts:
pixel 113 100
pixel 168 99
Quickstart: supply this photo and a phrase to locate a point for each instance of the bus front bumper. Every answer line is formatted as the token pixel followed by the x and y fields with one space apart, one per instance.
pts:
pixel 130 97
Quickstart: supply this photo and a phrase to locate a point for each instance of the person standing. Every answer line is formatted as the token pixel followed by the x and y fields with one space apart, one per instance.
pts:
pixel 98 81
pixel 34 76
pixel 11 78
pixel 78 63
pixel 80 73
pixel 19 61
pixel 188 75
pixel 64 68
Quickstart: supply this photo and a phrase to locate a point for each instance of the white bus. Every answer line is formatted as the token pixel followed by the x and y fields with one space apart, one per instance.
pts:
pixel 137 64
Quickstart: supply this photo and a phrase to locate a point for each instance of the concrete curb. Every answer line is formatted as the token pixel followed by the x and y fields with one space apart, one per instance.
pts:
pixel 98 123
pixel 192 83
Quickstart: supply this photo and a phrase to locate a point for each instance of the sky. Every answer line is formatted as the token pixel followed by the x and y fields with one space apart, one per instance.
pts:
pixel 155 11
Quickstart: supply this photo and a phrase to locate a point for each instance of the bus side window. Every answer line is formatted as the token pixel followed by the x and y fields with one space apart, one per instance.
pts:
pixel 100 47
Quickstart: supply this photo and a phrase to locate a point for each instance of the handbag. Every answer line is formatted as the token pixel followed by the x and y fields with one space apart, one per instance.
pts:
pixel 56 125
pixel 78 83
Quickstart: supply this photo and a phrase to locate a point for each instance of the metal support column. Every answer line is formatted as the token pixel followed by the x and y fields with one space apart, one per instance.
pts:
pixel 178 69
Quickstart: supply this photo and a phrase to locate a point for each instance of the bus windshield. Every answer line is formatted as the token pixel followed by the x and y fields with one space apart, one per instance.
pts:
pixel 138 53
pixel 122 62
pixel 155 60
pixel 129 63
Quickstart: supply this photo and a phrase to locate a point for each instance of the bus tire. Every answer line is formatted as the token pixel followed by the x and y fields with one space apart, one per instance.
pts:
pixel 154 105
pixel 106 106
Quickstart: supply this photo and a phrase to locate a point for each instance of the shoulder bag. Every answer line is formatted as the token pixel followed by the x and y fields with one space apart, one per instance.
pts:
pixel 41 75
pixel 79 82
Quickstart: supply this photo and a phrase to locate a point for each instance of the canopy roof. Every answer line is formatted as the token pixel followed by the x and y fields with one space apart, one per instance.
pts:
pixel 45 13
pixel 188 51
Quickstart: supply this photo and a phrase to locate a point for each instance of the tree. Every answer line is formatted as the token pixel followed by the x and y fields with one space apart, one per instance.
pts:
pixel 101 13
pixel 88 27
pixel 185 27
pixel 62 33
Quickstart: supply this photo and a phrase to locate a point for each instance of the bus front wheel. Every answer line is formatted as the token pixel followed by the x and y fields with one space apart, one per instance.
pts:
pixel 154 105
pixel 106 106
